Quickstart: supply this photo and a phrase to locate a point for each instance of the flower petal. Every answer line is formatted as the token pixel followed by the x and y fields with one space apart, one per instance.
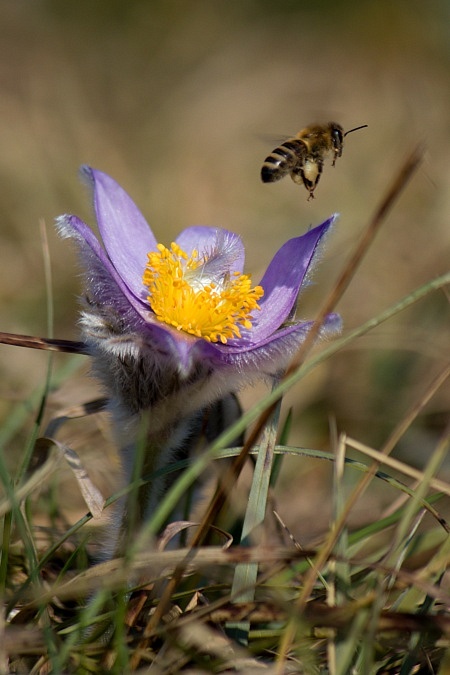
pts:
pixel 275 353
pixel 283 279
pixel 203 238
pixel 97 264
pixel 272 354
pixel 124 230
pixel 109 291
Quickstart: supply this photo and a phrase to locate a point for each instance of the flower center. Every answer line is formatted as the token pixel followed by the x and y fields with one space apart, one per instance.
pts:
pixel 182 295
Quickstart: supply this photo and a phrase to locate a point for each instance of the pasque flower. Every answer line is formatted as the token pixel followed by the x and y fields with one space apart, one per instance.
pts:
pixel 137 310
pixel 173 328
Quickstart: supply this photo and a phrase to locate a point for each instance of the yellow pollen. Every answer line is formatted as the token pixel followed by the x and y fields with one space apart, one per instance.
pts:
pixel 179 297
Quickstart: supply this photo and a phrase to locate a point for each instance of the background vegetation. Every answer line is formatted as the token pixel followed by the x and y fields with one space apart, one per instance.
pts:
pixel 181 102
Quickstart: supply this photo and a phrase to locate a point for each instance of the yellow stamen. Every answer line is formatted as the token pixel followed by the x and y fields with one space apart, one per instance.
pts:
pixel 210 309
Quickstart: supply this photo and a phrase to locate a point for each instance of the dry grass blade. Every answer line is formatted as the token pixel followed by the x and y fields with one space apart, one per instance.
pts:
pixel 398 185
pixel 91 494
pixel 405 173
pixel 326 550
pixel 48 344
pixel 155 564
pixel 320 614
pixel 75 412
pixel 397 465
pixel 400 181
pixel 173 530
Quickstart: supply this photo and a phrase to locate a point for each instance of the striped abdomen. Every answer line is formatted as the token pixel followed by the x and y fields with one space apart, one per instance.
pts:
pixel 284 159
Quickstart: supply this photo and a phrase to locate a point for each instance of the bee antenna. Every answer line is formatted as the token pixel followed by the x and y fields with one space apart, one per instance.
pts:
pixel 363 126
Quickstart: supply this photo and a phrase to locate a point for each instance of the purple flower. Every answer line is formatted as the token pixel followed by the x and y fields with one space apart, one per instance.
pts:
pixel 152 336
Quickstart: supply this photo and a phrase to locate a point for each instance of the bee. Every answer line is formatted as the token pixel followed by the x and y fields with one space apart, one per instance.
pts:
pixel 303 155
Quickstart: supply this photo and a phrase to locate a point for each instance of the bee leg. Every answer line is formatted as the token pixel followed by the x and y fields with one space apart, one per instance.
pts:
pixel 314 172
pixel 336 153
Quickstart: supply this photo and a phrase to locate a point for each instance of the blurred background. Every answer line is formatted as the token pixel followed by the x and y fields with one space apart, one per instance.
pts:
pixel 181 101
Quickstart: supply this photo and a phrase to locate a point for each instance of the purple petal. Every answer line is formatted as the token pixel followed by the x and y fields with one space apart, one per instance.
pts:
pixel 283 279
pixel 203 238
pixel 274 352
pixel 124 230
pixel 73 227
pixel 110 290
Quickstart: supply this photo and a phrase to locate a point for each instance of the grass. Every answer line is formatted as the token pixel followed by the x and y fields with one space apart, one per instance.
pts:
pixel 375 604
pixel 370 598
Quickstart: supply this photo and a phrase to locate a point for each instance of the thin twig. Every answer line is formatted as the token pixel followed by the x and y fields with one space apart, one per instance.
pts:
pixel 48 344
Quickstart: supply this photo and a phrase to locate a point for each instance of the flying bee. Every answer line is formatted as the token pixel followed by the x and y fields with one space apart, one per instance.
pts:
pixel 303 156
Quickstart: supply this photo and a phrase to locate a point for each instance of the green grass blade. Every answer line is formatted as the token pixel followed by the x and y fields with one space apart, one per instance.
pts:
pixel 245 576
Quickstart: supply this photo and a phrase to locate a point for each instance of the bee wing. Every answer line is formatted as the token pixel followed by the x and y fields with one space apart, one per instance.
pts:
pixel 274 139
